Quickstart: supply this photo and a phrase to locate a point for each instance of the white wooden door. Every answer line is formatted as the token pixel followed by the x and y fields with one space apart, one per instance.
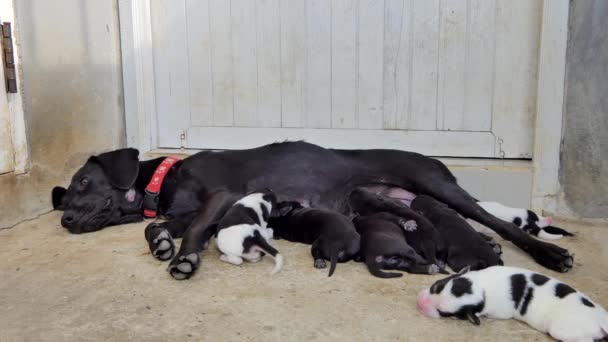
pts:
pixel 7 155
pixel 440 77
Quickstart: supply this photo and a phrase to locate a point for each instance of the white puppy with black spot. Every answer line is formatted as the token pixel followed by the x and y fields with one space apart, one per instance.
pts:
pixel 243 233
pixel 502 292
pixel 527 220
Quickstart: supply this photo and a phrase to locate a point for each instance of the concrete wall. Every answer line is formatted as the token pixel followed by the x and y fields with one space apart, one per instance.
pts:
pixel 584 153
pixel 72 91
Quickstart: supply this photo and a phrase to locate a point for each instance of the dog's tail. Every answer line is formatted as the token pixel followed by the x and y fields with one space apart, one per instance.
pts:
pixel 375 270
pixel 333 260
pixel 553 233
pixel 264 246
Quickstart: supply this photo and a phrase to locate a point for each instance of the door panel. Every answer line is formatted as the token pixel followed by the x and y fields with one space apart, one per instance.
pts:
pixel 459 72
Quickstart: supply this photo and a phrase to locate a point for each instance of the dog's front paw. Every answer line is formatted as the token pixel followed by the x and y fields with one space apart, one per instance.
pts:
pixel 320 263
pixel 183 266
pixel 552 256
pixel 160 241
pixel 409 225
pixel 496 247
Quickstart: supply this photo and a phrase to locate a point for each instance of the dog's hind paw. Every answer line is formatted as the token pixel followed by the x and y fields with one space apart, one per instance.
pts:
pixel 160 242
pixel 183 266
pixel 320 263
pixel 551 256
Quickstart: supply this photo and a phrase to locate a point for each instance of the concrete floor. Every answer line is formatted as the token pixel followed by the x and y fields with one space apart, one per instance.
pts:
pixel 105 286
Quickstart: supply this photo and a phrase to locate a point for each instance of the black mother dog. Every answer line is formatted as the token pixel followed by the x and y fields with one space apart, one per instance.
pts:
pixel 108 190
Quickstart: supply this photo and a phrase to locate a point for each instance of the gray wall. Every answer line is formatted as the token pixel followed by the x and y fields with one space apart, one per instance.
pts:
pixel 72 91
pixel 584 153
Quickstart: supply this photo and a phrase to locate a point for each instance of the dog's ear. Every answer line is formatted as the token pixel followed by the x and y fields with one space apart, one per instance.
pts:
pixel 472 317
pixel 121 166
pixel 57 197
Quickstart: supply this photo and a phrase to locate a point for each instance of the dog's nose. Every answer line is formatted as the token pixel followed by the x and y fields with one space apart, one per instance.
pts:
pixel 67 220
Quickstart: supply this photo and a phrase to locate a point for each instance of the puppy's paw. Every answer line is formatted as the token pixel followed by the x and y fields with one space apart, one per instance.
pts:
pixel 320 263
pixel 160 242
pixel 183 266
pixel 409 225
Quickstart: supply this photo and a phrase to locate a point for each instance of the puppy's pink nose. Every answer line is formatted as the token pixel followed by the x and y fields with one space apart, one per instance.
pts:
pixel 424 304
pixel 549 220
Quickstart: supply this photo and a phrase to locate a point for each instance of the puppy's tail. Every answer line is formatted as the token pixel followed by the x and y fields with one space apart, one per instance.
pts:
pixel 375 270
pixel 553 233
pixel 333 260
pixel 264 246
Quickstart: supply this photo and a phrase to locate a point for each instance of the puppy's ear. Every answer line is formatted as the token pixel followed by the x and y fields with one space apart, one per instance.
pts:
pixel 57 197
pixel 121 166
pixel 464 270
pixel 472 317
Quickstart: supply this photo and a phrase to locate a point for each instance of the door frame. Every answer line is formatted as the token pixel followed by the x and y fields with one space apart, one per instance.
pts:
pixel 15 100
pixel 140 103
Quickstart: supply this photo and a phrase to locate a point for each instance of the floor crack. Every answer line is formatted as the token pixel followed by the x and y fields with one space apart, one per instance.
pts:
pixel 26 220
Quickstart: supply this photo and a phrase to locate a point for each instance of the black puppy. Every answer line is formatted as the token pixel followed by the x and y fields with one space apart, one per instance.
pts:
pixel 332 235
pixel 419 232
pixel 383 246
pixel 466 247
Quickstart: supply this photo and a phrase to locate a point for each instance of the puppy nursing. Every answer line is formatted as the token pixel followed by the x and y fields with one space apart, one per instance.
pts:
pixel 332 235
pixel 243 233
pixel 501 292
pixel 384 246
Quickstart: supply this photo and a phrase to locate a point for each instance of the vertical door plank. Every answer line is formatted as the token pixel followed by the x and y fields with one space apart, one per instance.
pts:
pixel 477 114
pixel 318 64
pixel 245 66
pixel 344 64
pixel 293 62
pixel 221 60
pixel 268 29
pixel 199 62
pixel 517 40
pixel 370 69
pixel 425 15
pixel 171 70
pixel 452 55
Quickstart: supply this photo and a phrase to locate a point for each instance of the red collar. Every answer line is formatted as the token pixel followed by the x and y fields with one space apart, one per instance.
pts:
pixel 153 188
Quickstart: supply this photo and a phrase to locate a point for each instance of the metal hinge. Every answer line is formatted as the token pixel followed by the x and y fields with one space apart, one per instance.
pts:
pixel 8 58
pixel 182 138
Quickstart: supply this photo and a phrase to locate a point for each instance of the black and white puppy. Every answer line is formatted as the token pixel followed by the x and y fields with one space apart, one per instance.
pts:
pixel 526 219
pixel 243 233
pixel 384 246
pixel 544 303
pixel 466 247
pixel 332 235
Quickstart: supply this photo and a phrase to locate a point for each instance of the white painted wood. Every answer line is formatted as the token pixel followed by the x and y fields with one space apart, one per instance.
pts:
pixel 21 156
pixel 550 109
pixel 268 29
pixel 344 63
pixel 398 50
pixel 244 63
pixel 433 143
pixel 318 64
pixel 138 74
pixel 453 36
pixel 7 157
pixel 222 60
pixel 425 20
pixel 370 64
pixel 517 45
pixel 293 62
pixel 199 62
pixel 171 70
pixel 477 114
pixel 350 64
